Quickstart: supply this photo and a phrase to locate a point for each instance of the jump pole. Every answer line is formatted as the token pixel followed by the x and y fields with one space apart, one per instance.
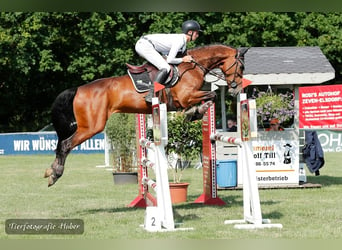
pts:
pixel 252 217
pixel 159 218
pixel 144 198
pixel 209 195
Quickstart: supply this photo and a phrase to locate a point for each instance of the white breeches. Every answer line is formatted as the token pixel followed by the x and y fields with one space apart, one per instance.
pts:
pixel 146 50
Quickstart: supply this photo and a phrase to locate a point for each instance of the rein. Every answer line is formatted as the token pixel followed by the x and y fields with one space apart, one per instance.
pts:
pixel 206 70
pixel 218 75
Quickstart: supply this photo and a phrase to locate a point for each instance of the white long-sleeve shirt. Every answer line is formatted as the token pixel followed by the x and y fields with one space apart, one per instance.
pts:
pixel 168 45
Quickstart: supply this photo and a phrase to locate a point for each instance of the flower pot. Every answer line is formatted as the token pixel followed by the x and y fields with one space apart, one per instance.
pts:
pixel 125 178
pixel 178 192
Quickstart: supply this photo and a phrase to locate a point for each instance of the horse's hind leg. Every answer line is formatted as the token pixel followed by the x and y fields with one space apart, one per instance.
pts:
pixel 63 149
pixel 57 167
pixel 64 122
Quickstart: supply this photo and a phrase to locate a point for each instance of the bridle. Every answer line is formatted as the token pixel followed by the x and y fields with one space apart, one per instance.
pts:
pixel 231 83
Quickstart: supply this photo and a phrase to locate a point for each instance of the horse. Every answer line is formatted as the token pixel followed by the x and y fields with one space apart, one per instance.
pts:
pixel 80 113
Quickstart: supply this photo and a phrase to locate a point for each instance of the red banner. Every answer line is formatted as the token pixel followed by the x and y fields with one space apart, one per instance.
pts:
pixel 320 107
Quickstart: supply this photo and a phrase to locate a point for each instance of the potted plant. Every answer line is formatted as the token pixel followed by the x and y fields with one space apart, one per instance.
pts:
pixel 274 105
pixel 184 145
pixel 120 129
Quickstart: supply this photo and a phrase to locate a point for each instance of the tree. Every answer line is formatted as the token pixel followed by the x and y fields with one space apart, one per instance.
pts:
pixel 43 53
pixel 185 140
pixel 120 129
pixel 323 30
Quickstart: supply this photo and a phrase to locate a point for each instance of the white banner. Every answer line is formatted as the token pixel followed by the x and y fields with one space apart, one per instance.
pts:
pixel 276 161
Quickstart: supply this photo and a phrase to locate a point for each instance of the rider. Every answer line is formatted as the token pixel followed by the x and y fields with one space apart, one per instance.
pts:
pixel 153 46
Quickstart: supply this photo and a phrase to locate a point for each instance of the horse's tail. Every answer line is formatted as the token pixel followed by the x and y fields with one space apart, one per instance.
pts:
pixel 63 118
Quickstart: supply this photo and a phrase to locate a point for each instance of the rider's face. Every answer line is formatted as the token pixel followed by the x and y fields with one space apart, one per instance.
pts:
pixel 193 35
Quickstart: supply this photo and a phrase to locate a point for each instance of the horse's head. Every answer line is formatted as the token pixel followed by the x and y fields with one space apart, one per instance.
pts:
pixel 205 60
pixel 232 68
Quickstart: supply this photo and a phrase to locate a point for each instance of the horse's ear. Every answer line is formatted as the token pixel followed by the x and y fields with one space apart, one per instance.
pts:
pixel 243 51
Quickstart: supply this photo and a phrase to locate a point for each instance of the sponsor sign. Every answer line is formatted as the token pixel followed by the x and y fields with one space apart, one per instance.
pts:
pixel 44 143
pixel 276 161
pixel 245 121
pixel 331 141
pixel 320 107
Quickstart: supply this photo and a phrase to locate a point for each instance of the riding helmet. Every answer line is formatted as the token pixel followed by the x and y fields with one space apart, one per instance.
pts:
pixel 190 25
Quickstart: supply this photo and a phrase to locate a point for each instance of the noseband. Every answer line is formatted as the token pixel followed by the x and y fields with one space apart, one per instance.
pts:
pixel 233 83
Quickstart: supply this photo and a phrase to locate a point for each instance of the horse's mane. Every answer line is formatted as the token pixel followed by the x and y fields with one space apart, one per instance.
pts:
pixel 210 45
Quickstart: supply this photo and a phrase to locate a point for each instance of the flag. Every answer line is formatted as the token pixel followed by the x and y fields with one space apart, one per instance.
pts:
pixel 245 82
pixel 158 87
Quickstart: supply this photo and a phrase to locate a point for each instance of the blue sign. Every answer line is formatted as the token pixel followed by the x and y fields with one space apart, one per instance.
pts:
pixel 44 143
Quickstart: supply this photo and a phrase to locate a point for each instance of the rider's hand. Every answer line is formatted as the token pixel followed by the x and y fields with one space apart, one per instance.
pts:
pixel 187 58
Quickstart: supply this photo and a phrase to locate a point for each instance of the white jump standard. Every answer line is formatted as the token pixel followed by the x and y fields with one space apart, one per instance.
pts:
pixel 252 217
pixel 158 218
pixel 251 202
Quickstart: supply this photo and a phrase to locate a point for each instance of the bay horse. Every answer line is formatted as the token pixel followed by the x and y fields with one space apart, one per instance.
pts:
pixel 79 113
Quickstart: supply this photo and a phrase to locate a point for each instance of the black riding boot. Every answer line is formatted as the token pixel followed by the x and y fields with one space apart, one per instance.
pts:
pixel 160 78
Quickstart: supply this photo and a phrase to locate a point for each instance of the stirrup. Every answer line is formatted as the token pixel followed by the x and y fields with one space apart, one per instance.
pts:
pixel 148 97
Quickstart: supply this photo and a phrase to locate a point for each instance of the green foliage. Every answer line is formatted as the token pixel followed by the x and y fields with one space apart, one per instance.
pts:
pixel 323 30
pixel 185 140
pixel 120 129
pixel 43 53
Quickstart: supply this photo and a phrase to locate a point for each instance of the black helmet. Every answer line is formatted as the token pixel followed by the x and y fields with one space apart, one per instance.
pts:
pixel 190 25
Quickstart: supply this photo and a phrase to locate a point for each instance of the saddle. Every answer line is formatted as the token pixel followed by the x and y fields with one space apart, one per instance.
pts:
pixel 142 76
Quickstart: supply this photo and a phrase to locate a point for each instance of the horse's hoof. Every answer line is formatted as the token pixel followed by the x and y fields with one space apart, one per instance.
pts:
pixel 234 92
pixel 52 180
pixel 204 107
pixel 48 172
pixel 190 113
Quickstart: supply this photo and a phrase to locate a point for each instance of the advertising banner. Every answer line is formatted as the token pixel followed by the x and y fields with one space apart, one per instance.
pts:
pixel 245 121
pixel 331 140
pixel 44 143
pixel 276 161
pixel 320 107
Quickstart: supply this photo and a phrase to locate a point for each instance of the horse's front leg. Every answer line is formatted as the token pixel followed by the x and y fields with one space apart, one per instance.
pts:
pixel 198 96
pixel 197 112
